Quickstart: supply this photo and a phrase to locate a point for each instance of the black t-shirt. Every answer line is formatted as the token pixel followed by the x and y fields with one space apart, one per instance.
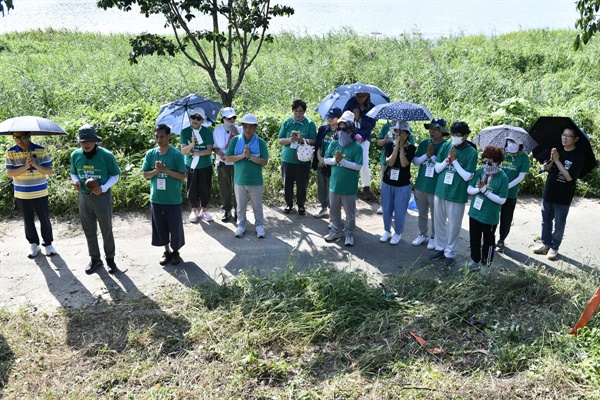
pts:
pixel 558 190
pixel 404 172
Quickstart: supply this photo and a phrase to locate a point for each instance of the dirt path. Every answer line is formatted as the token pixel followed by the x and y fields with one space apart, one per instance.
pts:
pixel 212 253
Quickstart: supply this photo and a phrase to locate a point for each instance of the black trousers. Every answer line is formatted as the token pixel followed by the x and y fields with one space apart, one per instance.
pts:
pixel 479 252
pixel 299 174
pixel 29 208
pixel 506 217
pixel 199 182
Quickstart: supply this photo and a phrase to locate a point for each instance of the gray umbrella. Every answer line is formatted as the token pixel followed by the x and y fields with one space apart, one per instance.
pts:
pixel 496 136
pixel 34 125
pixel 400 111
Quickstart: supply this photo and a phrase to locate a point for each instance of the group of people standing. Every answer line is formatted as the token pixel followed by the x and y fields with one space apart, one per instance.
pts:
pixel 447 174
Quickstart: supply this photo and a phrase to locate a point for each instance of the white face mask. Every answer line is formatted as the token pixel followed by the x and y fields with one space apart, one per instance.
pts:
pixel 512 147
pixel 457 140
pixel 228 125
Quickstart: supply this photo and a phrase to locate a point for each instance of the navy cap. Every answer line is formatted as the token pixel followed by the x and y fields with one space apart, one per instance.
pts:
pixel 334 112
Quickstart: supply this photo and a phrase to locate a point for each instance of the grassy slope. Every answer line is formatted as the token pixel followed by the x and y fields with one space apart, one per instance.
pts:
pixel 316 334
pixel 74 77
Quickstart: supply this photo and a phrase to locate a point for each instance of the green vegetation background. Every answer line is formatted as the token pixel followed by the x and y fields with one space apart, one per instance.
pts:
pixel 74 78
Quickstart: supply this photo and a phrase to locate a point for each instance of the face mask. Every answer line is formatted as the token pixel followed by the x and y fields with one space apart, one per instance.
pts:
pixel 491 169
pixel 456 141
pixel 512 148
pixel 228 125
pixel 345 138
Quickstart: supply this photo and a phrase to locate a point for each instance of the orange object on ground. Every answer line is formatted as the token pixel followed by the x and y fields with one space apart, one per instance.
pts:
pixel 436 350
pixel 587 312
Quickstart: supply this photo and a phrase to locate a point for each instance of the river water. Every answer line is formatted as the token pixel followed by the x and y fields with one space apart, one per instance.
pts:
pixel 430 18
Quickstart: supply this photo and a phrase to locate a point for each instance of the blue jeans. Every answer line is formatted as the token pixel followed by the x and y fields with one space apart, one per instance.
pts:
pixel 394 202
pixel 557 213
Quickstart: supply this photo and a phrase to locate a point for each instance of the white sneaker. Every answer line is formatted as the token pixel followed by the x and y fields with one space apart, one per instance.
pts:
pixel 193 216
pixel 385 237
pixel 473 266
pixel 322 213
pixel 50 250
pixel 333 236
pixel 380 210
pixel 206 217
pixel 396 239
pixel 420 240
pixel 541 249
pixel 239 232
pixel 431 244
pixel 552 254
pixel 260 232
pixel 349 241
pixel 33 250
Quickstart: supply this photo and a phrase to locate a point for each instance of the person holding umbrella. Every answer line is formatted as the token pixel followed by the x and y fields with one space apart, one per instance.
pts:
pixel 360 105
pixel 395 182
pixel 94 170
pixel 196 144
pixel 564 167
pixel 28 164
pixel 456 165
pixel 294 131
pixel 489 188
pixel 516 167
pixel 425 159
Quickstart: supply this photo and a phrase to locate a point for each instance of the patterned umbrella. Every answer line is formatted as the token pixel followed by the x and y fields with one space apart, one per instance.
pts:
pixel 35 125
pixel 496 136
pixel 400 111
pixel 175 114
pixel 344 93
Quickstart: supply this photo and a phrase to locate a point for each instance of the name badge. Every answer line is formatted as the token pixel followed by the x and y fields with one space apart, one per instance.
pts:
pixel 429 170
pixel 477 203
pixel 161 184
pixel 448 178
pixel 394 174
pixel 294 145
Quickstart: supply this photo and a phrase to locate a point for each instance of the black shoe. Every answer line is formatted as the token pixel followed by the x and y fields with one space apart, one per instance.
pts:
pixel 301 211
pixel 112 267
pixel 226 216
pixel 367 195
pixel 166 258
pixel 287 210
pixel 91 267
pixel 175 258
pixel 437 255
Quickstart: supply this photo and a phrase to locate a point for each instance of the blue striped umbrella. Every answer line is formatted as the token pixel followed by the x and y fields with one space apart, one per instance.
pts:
pixel 400 111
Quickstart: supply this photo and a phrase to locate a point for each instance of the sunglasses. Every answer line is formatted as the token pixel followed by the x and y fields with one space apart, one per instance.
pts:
pixel 196 118
pixel 21 137
pixel 488 163
pixel 233 118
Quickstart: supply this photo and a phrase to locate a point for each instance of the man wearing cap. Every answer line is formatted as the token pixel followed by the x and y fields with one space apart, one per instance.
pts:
pixel 222 136
pixel 28 165
pixel 324 137
pixel 456 164
pixel 565 166
pixel 196 144
pixel 92 163
pixel 345 156
pixel 165 168
pixel 516 167
pixel 249 154
pixel 425 159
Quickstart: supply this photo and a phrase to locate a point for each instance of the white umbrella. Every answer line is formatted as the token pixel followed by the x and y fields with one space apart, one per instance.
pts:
pixel 34 125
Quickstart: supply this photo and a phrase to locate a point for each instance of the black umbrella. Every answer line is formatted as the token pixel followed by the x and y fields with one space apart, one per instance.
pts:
pixel 28 123
pixel 547 132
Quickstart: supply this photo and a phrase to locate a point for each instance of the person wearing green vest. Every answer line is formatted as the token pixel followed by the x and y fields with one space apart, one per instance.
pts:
pixel 249 154
pixel 425 159
pixel 165 168
pixel 516 167
pixel 96 167
pixel 489 188
pixel 456 165
pixel 196 144
pixel 294 131
pixel 345 155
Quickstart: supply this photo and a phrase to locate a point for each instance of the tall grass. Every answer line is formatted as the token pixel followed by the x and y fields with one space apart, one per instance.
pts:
pixel 513 78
